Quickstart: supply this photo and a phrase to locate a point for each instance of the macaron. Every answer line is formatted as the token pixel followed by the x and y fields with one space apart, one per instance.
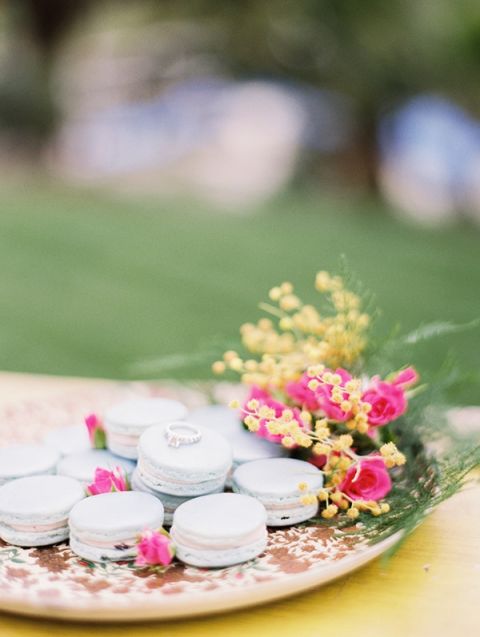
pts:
pixel 105 527
pixel 34 511
pixel 170 502
pixel 246 447
pixel 183 459
pixel 219 530
pixel 275 483
pixel 81 466
pixel 18 461
pixel 67 440
pixel 126 421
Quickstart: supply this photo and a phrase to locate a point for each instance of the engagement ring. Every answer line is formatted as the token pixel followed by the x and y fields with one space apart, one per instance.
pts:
pixel 182 433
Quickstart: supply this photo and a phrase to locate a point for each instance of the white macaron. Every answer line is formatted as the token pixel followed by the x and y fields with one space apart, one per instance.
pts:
pixel 125 422
pixel 34 511
pixel 219 530
pixel 275 482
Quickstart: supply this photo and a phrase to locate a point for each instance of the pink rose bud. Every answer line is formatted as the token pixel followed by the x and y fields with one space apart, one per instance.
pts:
pixel 108 481
pixel 154 548
pixel 388 403
pixel 96 432
pixel 368 481
pixel 406 377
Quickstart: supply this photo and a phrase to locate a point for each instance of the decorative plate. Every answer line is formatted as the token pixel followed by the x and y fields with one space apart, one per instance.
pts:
pixel 53 582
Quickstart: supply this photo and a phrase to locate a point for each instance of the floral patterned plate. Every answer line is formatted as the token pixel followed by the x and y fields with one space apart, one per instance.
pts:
pixel 53 582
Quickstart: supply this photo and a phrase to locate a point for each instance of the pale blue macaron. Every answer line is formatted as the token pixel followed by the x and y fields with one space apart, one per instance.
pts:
pixel 187 469
pixel 68 440
pixel 170 502
pixel 125 422
pixel 275 483
pixel 34 511
pixel 106 527
pixel 82 466
pixel 246 446
pixel 219 530
pixel 21 460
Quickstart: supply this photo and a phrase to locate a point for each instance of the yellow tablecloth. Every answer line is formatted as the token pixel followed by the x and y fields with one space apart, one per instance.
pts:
pixel 431 587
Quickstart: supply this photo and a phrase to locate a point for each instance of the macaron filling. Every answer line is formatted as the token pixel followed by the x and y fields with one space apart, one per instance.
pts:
pixel 37 528
pixel 127 440
pixel 218 544
pixel 120 544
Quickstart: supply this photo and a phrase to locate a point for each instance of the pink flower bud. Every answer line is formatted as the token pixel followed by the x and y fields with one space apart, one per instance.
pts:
pixel 369 481
pixel 406 377
pixel 106 481
pixel 154 548
pixel 96 432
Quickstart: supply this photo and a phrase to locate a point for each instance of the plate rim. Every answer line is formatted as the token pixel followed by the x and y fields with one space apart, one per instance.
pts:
pixel 204 603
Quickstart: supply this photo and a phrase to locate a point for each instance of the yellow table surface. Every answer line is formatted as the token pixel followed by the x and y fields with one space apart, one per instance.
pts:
pixel 431 587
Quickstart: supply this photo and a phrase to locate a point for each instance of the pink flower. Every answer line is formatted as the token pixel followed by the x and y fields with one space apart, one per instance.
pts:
pixel 406 377
pixel 387 400
pixel 106 481
pixel 370 481
pixel 324 392
pixel 302 394
pixel 154 548
pixel 320 399
pixel 96 432
pixel 264 398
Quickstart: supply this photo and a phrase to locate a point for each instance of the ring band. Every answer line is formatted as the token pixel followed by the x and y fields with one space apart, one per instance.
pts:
pixel 182 433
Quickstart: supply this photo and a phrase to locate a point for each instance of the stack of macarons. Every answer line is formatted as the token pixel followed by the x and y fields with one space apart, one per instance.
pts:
pixel 180 461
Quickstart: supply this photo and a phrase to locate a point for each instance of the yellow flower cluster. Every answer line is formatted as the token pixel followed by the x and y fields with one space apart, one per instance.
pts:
pixel 336 501
pixel 347 396
pixel 392 456
pixel 301 337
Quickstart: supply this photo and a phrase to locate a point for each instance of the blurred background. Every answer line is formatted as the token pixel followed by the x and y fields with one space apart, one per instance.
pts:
pixel 163 164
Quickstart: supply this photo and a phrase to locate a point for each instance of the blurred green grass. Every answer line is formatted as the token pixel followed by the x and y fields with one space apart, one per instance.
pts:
pixel 91 283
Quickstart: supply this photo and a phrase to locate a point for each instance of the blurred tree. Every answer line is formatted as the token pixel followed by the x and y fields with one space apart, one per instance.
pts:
pixel 34 31
pixel 376 52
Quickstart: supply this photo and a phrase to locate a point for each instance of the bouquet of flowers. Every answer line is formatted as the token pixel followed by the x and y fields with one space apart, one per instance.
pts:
pixel 317 386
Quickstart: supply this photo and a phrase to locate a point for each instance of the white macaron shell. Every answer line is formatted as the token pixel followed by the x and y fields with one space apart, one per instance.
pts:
pixel 116 515
pixel 82 466
pixel 245 445
pixel 39 498
pixel 26 460
pixel 219 418
pixel 276 479
pixel 68 440
pixel 137 414
pixel 206 459
pixel 222 516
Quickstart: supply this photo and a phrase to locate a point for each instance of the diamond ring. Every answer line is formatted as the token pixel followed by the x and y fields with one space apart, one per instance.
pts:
pixel 182 433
